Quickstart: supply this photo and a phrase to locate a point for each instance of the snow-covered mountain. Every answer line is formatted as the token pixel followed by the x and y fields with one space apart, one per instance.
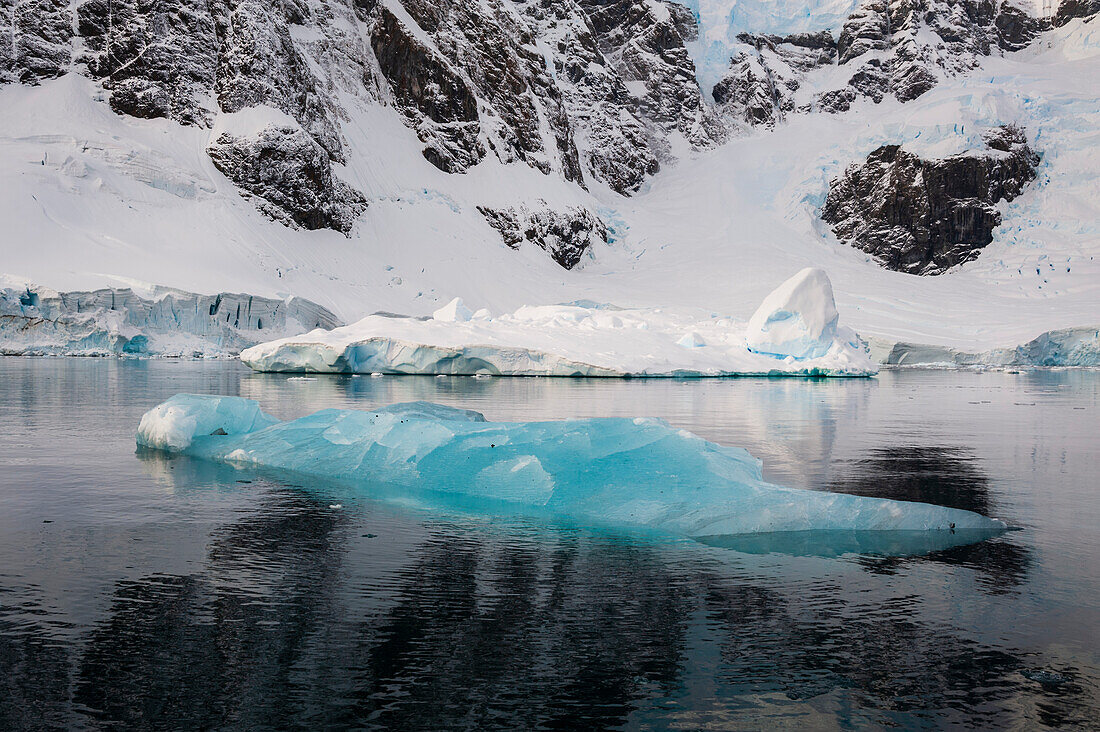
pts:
pixel 388 155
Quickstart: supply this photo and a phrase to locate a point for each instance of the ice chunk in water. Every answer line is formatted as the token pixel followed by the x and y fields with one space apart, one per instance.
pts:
pixel 172 425
pixel 798 318
pixel 636 472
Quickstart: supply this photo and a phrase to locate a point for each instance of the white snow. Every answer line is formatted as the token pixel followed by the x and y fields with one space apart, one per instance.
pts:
pixel 797 335
pixel 454 312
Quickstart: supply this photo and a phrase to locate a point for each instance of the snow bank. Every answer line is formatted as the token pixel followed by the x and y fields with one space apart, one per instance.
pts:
pixel 794 332
pixel 620 471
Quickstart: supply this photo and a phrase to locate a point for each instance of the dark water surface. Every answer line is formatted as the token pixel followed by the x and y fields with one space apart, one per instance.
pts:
pixel 143 592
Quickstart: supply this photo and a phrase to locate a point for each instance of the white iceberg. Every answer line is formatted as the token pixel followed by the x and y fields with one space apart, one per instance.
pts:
pixel 798 318
pixel 613 471
pixel 172 426
pixel 795 333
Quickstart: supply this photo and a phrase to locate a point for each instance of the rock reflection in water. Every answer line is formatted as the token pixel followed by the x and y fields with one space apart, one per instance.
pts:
pixel 289 624
pixel 948 476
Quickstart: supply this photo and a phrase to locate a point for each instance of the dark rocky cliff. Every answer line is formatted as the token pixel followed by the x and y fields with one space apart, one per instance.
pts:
pixel 888 48
pixel 926 216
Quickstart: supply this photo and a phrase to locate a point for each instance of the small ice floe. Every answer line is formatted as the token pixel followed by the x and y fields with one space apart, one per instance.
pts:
pixel 1045 676
pixel 335 505
pixel 302 378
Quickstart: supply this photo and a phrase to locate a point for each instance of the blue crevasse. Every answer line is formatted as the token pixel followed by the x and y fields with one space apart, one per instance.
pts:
pixel 618 471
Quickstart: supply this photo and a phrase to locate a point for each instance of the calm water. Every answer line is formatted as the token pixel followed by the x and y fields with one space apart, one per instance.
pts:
pixel 142 592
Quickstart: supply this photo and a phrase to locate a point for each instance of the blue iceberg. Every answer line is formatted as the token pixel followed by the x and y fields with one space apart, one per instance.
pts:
pixel 608 471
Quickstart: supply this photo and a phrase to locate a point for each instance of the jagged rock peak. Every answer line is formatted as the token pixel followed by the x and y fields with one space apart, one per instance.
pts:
pixel 588 90
pixel 1071 9
pixel 925 216
pixel 889 48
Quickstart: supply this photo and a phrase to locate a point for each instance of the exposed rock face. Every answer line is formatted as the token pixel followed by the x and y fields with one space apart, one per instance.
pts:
pixel 613 142
pixel 260 63
pixel 566 235
pixel 893 48
pixel 926 216
pixel 35 39
pixel 434 99
pixel 582 89
pixel 1070 9
pixel 761 87
pixel 292 175
pixel 643 43
pixel 158 58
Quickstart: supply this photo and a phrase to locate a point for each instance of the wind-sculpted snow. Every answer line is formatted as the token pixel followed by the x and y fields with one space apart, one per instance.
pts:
pixel 610 471
pixel 794 333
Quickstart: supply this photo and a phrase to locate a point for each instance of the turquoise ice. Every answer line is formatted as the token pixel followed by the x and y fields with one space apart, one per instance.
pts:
pixel 607 471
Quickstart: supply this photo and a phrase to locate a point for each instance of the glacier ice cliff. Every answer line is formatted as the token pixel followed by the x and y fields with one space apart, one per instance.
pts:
pixel 36 320
pixel 1073 347
pixel 607 471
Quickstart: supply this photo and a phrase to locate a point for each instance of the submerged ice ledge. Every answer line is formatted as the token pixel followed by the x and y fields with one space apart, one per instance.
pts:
pixel 794 332
pixel 609 471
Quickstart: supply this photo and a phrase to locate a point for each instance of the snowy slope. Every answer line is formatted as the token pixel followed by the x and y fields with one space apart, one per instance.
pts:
pixel 90 198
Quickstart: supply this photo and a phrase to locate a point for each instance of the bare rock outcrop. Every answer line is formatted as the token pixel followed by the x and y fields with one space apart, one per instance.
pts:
pixel 925 216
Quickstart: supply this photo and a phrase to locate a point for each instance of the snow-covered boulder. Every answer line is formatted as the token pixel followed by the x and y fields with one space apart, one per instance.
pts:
pixel 798 318
pixel 617 471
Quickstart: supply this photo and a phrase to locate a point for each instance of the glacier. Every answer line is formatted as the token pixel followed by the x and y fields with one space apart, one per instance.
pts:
pixel 141 320
pixel 626 472
pixel 793 333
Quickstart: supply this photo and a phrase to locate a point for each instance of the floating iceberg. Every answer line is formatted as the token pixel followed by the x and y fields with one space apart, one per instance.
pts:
pixel 795 333
pixel 611 471
pixel 798 318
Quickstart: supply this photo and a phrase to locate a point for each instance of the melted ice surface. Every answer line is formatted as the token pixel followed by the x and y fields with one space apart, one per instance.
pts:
pixel 617 471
